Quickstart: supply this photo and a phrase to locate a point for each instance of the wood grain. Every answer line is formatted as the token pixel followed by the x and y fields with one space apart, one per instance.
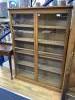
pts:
pixel 25 88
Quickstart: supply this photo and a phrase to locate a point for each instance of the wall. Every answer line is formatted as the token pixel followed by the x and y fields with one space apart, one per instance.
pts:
pixel 3 8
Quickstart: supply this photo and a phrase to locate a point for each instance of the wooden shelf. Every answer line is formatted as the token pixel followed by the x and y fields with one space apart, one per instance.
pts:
pixel 26 73
pixel 41 41
pixel 24 51
pixel 24 39
pixel 52 27
pixel 23 25
pixel 26 63
pixel 51 79
pixel 50 69
pixel 40 26
pixel 53 56
pixel 24 31
pixel 42 67
pixel 50 42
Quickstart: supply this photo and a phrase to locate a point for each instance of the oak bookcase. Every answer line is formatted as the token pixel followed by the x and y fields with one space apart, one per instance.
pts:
pixel 40 41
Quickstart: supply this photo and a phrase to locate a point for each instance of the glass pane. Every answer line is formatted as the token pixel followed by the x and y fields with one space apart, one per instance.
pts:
pixel 23 25
pixel 54 21
pixel 24 64
pixel 51 38
pixel 49 78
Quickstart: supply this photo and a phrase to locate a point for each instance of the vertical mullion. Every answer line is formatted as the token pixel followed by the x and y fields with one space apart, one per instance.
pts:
pixel 36 46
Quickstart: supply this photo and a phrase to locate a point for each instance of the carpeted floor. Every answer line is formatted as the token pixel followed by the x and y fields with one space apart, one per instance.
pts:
pixel 8 95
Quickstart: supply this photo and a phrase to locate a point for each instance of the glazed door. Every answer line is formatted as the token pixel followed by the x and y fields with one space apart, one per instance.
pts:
pixel 23 30
pixel 51 47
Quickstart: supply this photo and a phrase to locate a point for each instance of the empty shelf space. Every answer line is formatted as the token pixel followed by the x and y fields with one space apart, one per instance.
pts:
pixel 50 42
pixel 24 31
pixel 42 67
pixel 25 39
pixel 50 69
pixel 25 73
pixel 52 27
pixel 42 41
pixel 23 25
pixel 24 51
pixel 50 79
pixel 40 26
pixel 47 55
pixel 25 63
pixel 51 56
